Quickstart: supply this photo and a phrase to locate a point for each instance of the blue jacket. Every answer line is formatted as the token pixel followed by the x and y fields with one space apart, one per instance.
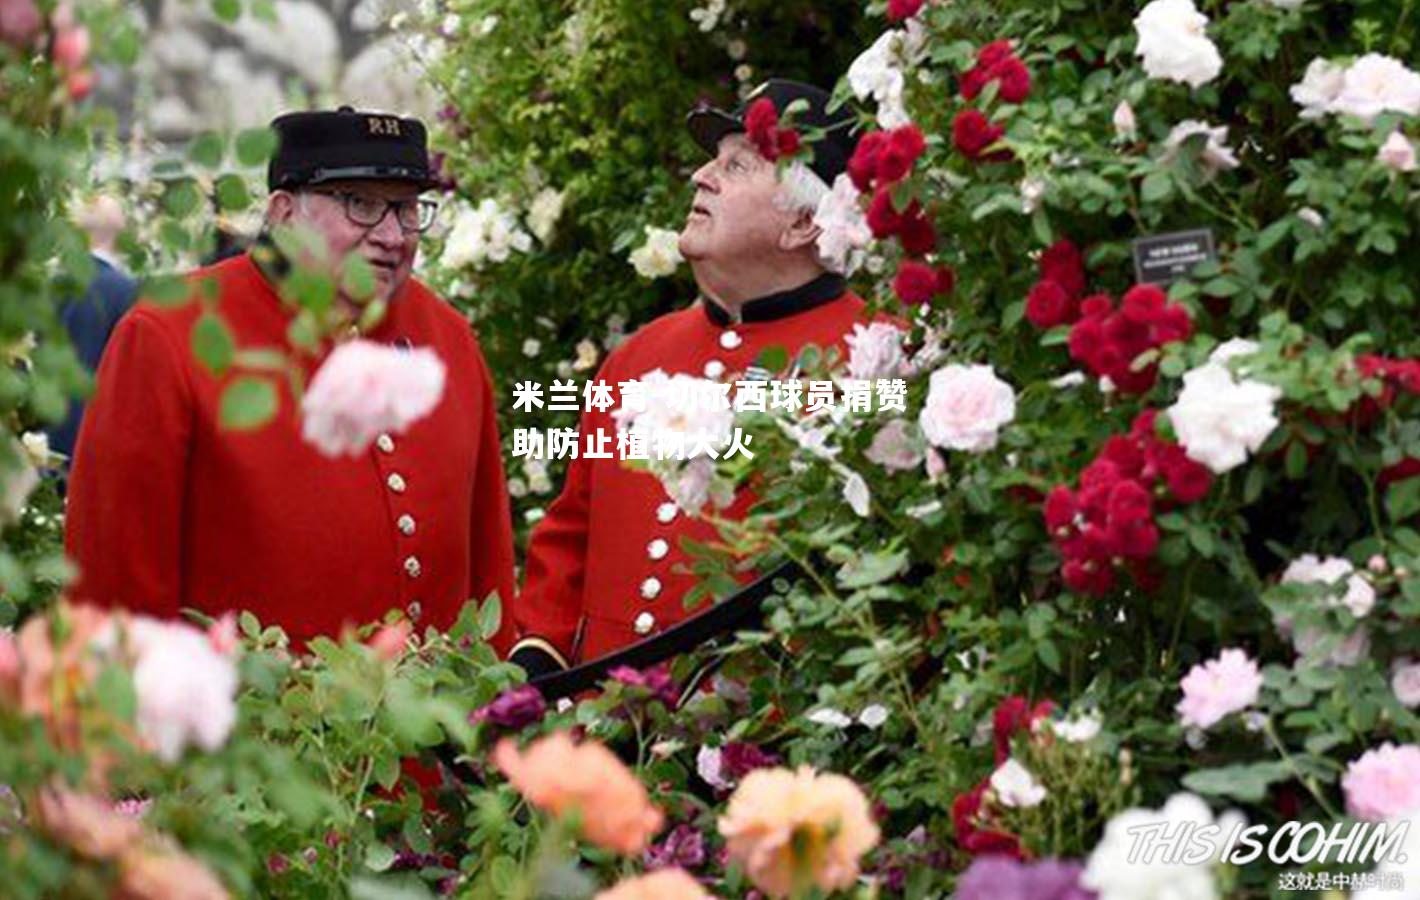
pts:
pixel 89 321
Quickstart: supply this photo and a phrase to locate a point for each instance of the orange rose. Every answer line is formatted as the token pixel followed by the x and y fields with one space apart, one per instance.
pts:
pixel 86 823
pixel 791 829
pixel 167 875
pixel 667 884
pixel 558 776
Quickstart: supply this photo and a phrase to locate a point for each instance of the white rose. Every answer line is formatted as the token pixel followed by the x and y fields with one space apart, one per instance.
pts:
pixel 482 234
pixel 844 233
pixel 1375 84
pixel 1220 420
pixel 544 212
pixel 873 716
pixel 1397 153
pixel 829 717
pixel 532 347
pixel 874 351
pixel 966 408
pixel 659 255
pixel 855 491
pixel 364 389
pixel 1405 681
pixel 1311 217
pixel 1174 44
pixel 709 766
pixel 896 447
pixel 1360 597
pixel 186 689
pixel 36 444
pixel 1114 872
pixel 1032 192
pixel 1015 786
pixel 877 74
pixel 1317 90
pixel 1078 730
pixel 1215 155
pixel 1125 125
pixel 1231 349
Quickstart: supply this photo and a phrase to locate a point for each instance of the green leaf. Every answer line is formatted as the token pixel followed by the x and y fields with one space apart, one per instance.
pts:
pixel 1246 782
pixel 212 343
pixel 227 10
pixel 115 692
pixel 206 150
pixel 1157 186
pixel 1403 499
pixel 182 198
pixel 167 290
pixel 378 857
pixel 490 617
pixel 1049 655
pixel 255 146
pixel 773 359
pixel 232 193
pixel 247 403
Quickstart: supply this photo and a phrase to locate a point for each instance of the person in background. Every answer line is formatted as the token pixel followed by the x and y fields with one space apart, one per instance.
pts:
pixel 90 319
pixel 168 510
pixel 602 565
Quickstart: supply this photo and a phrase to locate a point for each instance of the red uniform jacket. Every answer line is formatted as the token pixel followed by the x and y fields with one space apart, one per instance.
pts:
pixel 601 564
pixel 167 510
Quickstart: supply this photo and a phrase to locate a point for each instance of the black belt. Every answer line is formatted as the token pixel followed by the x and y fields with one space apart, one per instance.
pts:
pixel 737 612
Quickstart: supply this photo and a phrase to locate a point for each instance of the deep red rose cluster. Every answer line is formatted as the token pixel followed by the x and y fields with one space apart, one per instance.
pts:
pixel 995 62
pixel 897 10
pixel 1109 522
pixel 762 128
pixel 972 131
pixel 1108 340
pixel 917 282
pixel 973 820
pixel 1396 376
pixel 885 157
pixel 1055 299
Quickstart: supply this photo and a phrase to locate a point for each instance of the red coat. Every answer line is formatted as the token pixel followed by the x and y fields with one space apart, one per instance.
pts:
pixel 601 565
pixel 168 511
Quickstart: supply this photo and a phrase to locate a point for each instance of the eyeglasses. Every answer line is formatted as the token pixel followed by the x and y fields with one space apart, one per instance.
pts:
pixel 413 214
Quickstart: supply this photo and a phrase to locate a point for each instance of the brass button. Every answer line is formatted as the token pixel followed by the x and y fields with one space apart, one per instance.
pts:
pixel 651 588
pixel 730 340
pixel 415 610
pixel 714 369
pixel 405 524
pixel 644 623
pixel 396 482
pixel 658 549
pixel 412 568
pixel 385 443
pixel 666 513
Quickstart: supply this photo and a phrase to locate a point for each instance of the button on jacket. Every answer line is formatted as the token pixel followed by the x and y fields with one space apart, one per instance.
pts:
pixel 602 564
pixel 168 510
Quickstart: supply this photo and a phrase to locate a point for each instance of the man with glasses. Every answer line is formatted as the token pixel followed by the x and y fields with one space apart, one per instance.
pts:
pixel 175 512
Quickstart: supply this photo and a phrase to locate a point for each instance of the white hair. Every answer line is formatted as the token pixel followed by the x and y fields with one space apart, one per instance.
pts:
pixel 802 190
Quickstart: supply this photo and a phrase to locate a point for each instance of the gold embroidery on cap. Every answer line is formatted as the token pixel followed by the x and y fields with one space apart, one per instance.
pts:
pixel 383 125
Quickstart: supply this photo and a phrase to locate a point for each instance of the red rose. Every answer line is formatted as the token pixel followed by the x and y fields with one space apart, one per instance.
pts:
pixel 1013 715
pixel 883 218
pixel 1129 503
pixel 863 166
pixel 1048 304
pixel 946 279
pixel 1062 263
pixel 915 283
pixel 1143 303
pixel 968 820
pixel 762 126
pixel 989 55
pixel 788 142
pixel 972 133
pixel 1060 510
pixel 1189 481
pixel 897 10
pixel 1014 80
pixel 904 146
pixel 917 235
pixel 1087 577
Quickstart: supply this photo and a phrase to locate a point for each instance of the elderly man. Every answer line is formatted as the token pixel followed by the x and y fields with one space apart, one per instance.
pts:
pixel 167 510
pixel 602 564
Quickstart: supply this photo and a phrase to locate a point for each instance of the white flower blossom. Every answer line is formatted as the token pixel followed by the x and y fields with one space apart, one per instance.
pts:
pixel 873 715
pixel 1220 420
pixel 483 234
pixel 1405 681
pixel 1311 217
pixel 1376 84
pixel 659 256
pixel 1216 155
pixel 1317 90
pixel 1114 872
pixel 829 717
pixel 1125 125
pixel 587 355
pixel 874 351
pixel 709 765
pixel 544 212
pixel 36 444
pixel 896 447
pixel 1032 192
pixel 532 347
pixel 844 233
pixel 186 690
pixel 1077 730
pixel 855 491
pixel 966 408
pixel 1397 153
pixel 878 72
pixel 1174 44
pixel 708 16
pixel 1359 597
pixel 1016 787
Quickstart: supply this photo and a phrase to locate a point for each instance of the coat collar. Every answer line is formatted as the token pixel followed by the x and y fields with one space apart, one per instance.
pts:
pixel 803 298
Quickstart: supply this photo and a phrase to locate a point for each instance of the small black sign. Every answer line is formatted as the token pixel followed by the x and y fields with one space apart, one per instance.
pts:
pixel 1165 258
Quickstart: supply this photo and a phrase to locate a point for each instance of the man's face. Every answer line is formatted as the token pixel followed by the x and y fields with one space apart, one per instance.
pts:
pixel 387 247
pixel 735 214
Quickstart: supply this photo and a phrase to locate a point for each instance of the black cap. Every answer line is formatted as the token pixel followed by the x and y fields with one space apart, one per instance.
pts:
pixel 320 146
pixel 831 152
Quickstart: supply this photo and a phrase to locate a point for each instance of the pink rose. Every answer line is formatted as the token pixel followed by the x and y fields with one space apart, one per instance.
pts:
pixel 894 448
pixel 1217 688
pixel 1405 681
pixel 1383 784
pixel 19 22
pixel 966 408
pixel 1397 153
pixel 364 389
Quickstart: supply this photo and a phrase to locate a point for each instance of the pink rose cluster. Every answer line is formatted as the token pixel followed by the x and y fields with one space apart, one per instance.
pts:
pixel 1218 688
pixel 1384 783
pixel 365 389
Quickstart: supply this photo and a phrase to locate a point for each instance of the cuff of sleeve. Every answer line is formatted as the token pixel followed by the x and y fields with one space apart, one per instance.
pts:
pixel 537 656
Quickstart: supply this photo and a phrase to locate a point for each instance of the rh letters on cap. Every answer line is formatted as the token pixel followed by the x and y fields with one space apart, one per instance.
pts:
pixel 383 125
